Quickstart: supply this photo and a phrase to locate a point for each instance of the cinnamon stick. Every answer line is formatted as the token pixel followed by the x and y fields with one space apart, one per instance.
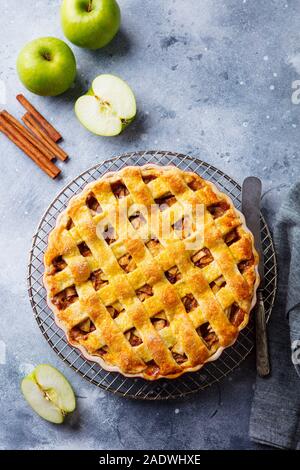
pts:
pixel 20 140
pixel 49 129
pixel 37 143
pixel 33 125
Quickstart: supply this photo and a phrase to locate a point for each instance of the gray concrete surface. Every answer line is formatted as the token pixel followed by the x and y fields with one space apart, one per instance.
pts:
pixel 212 78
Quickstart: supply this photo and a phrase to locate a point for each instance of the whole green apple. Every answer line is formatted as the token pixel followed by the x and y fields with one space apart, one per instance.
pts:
pixel 90 23
pixel 46 66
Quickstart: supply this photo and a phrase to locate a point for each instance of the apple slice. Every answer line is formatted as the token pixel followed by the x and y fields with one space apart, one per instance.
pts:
pixel 49 393
pixel 108 107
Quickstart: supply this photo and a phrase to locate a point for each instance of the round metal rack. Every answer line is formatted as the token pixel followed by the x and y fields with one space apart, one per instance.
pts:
pixel 114 382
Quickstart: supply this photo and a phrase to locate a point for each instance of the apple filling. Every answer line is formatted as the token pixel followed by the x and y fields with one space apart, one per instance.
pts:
pixel 173 274
pixel 189 302
pixel 109 234
pixel 137 220
pixel 82 330
pixel 65 298
pixel 58 264
pixel 119 189
pixel 231 237
pixel 154 246
pixel 208 335
pixel 217 284
pixel 202 258
pixel 69 224
pixel 133 338
pixel 102 351
pixel 159 323
pixel 127 263
pixel 93 204
pixel 245 264
pixel 195 184
pixel 148 178
pixel 179 358
pixel 159 320
pixel 84 249
pixel 152 369
pixel 98 279
pixel 183 227
pixel 144 292
pixel 165 201
pixel 236 314
pixel 115 309
pixel 218 209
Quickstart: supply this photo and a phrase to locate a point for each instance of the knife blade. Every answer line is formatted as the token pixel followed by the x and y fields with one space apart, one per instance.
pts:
pixel 251 199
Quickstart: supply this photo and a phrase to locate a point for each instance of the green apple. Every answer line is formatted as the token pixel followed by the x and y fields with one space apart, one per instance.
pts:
pixel 49 393
pixel 46 66
pixel 108 107
pixel 90 23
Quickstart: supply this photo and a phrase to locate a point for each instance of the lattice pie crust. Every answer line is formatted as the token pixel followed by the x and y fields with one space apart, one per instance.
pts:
pixel 141 304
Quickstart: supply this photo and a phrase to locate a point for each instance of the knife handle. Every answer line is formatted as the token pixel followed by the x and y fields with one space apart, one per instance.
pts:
pixel 262 354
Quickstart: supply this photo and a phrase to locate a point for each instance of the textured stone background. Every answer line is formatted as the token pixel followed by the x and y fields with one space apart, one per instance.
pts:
pixel 212 78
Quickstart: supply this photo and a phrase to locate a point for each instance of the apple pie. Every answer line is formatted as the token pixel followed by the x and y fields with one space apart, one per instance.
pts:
pixel 139 288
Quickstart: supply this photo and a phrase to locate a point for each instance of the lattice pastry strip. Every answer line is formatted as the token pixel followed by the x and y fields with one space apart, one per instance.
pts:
pixel 140 302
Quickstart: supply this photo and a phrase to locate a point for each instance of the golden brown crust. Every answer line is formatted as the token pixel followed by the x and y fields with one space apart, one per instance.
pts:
pixel 106 291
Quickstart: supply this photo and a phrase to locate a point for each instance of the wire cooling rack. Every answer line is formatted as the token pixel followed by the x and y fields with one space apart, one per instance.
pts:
pixel 114 382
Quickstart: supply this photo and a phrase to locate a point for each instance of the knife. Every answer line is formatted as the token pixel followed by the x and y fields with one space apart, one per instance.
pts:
pixel 251 198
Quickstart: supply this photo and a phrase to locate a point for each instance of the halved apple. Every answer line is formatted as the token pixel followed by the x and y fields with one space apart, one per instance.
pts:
pixel 108 107
pixel 49 393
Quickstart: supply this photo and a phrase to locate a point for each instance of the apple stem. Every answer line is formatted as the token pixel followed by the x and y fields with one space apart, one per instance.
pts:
pixel 47 56
pixel 90 6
